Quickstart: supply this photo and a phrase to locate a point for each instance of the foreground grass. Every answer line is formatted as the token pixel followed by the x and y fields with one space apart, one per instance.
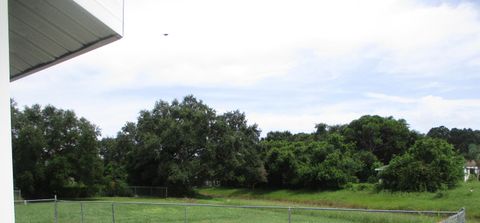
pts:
pixel 100 210
pixel 466 195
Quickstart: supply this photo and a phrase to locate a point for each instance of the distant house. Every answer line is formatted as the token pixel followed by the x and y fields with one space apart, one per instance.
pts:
pixel 470 169
pixel 379 170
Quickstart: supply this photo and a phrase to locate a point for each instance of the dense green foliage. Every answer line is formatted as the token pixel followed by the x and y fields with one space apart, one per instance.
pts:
pixel 185 144
pixel 113 152
pixel 384 137
pixel 54 152
pixel 429 165
pixel 311 164
pixel 465 141
pixel 233 152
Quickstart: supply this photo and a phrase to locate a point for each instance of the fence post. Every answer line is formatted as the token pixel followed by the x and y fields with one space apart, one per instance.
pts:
pixel 56 209
pixel 185 215
pixel 113 212
pixel 289 215
pixel 166 192
pixel 81 211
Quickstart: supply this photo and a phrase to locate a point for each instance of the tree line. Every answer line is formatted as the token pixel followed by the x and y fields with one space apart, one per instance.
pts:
pixel 185 144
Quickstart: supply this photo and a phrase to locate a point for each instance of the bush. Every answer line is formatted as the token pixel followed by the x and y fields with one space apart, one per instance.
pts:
pixel 360 186
pixel 429 165
pixel 116 188
pixel 327 164
pixel 368 162
pixel 75 191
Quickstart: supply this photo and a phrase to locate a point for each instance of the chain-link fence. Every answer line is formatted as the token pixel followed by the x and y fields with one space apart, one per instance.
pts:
pixel 35 211
pixel 51 210
pixel 456 218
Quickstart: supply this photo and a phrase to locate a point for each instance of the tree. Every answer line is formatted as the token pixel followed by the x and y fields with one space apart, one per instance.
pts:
pixel 184 144
pixel 440 132
pixel 28 150
pixel 277 136
pixel 461 139
pixel 233 152
pixel 54 152
pixel 114 152
pixel 312 164
pixel 282 163
pixel 384 137
pixel 429 165
pixel 331 165
pixel 368 162
pixel 321 130
pixel 473 152
pixel 170 138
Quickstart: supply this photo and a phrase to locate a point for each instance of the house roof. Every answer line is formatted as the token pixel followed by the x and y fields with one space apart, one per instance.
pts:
pixel 44 33
pixel 471 163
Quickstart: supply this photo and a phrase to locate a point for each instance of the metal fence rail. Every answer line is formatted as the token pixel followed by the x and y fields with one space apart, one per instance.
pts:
pixel 115 212
pixel 25 202
pixel 456 218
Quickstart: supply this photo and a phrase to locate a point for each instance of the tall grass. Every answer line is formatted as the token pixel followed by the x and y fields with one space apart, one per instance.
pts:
pixel 466 195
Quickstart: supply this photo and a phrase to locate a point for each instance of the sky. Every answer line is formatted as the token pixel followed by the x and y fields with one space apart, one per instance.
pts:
pixel 286 64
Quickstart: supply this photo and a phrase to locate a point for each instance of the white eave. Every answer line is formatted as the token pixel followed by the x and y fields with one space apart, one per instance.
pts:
pixel 46 32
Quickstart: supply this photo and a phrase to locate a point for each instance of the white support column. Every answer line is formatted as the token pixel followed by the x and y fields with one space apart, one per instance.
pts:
pixel 6 170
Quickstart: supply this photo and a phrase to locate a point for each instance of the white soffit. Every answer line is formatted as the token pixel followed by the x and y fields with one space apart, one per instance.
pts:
pixel 109 12
pixel 45 32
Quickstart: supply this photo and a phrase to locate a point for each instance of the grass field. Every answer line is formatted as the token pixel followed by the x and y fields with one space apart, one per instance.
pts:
pixel 133 213
pixel 466 195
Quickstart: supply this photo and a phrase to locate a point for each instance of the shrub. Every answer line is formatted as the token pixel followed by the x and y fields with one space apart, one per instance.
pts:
pixel 429 165
pixel 116 188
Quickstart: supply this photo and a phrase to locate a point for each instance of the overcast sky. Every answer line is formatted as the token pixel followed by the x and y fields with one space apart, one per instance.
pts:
pixel 286 64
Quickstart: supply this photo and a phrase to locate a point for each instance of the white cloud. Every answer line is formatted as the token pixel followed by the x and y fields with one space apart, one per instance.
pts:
pixel 390 98
pixel 429 111
pixel 296 123
pixel 239 43
pixel 254 44
pixel 421 113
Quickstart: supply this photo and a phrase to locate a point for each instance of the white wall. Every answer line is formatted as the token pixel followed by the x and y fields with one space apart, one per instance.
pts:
pixel 6 170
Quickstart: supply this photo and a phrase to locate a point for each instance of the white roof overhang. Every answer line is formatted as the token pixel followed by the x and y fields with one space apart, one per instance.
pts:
pixel 45 32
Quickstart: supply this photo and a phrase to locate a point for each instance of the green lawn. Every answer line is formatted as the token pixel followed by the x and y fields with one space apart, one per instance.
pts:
pixel 466 195
pixel 133 213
